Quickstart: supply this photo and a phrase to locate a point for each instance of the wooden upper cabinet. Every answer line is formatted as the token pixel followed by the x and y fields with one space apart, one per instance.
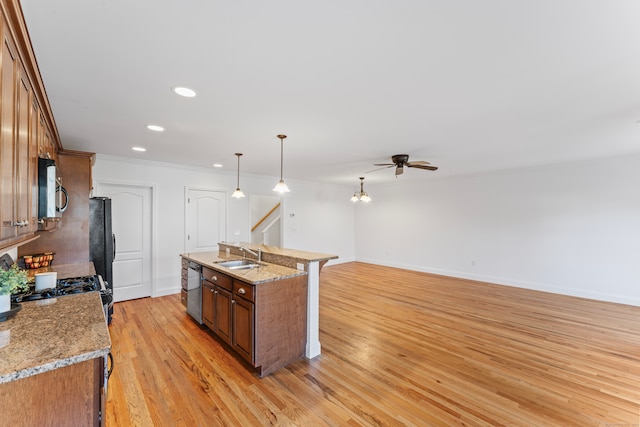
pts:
pixel 27 129
pixel 7 137
pixel 16 151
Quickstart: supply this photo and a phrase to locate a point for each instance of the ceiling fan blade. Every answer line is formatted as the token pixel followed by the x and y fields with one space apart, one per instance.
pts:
pixel 429 168
pixel 419 162
pixel 384 164
pixel 399 170
pixel 377 169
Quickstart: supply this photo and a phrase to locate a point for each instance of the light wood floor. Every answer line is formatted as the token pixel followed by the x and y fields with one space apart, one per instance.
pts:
pixel 398 348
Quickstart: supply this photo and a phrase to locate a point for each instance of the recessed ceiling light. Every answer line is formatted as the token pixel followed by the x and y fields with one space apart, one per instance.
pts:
pixel 217 165
pixel 184 91
pixel 155 128
pixel 138 149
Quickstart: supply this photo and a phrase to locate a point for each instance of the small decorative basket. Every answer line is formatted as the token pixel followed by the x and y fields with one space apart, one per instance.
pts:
pixel 37 261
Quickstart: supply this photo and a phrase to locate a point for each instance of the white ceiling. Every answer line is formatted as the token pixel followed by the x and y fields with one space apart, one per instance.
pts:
pixel 467 85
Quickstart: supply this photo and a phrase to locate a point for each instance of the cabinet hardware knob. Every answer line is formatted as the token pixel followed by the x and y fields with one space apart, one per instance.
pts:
pixel 241 291
pixel 214 278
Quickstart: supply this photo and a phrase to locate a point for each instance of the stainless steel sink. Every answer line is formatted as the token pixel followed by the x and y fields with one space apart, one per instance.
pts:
pixel 240 264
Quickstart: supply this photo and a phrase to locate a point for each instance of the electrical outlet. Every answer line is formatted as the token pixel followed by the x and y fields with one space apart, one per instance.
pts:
pixel 300 266
pixel 473 262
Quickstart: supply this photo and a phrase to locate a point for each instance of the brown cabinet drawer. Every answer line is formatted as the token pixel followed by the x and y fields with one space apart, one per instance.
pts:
pixel 217 278
pixel 243 290
pixel 183 297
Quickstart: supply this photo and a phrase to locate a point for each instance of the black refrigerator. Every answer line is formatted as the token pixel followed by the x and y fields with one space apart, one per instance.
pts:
pixel 102 241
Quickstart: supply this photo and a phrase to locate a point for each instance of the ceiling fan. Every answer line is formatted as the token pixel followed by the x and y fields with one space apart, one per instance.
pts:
pixel 402 160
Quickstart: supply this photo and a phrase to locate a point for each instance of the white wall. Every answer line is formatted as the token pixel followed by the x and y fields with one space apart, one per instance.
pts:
pixel 566 228
pixel 321 221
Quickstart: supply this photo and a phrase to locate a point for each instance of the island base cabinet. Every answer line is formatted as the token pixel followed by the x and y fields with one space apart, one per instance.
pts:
pixel 69 396
pixel 264 323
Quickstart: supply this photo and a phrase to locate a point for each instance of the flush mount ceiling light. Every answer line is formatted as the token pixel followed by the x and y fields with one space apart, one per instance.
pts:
pixel 217 165
pixel 238 194
pixel 184 91
pixel 155 128
pixel 363 196
pixel 281 187
pixel 138 149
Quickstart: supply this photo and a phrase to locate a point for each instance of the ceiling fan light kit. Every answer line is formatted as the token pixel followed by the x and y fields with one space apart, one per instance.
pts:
pixel 362 196
pixel 281 187
pixel 238 194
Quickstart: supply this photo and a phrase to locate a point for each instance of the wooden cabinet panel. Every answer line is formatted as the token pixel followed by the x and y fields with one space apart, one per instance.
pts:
pixel 223 302
pixel 34 134
pixel 208 290
pixel 23 181
pixel 68 396
pixel 243 328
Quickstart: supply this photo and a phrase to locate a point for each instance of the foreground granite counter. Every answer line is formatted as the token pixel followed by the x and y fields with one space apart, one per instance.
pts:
pixel 268 273
pixel 53 333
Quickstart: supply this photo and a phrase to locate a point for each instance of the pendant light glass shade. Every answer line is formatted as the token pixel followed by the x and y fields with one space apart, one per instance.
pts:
pixel 362 196
pixel 238 194
pixel 281 187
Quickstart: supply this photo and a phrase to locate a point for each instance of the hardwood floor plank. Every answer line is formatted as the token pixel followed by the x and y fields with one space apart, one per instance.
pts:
pixel 398 348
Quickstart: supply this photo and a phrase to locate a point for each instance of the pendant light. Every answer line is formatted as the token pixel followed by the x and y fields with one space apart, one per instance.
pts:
pixel 281 187
pixel 238 194
pixel 362 196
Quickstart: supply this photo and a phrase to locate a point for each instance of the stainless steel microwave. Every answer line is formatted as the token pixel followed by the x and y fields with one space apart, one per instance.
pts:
pixel 52 197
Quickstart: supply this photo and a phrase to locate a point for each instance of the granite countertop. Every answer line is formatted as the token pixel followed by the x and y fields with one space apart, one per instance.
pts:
pixel 254 276
pixel 53 333
pixel 66 271
pixel 274 251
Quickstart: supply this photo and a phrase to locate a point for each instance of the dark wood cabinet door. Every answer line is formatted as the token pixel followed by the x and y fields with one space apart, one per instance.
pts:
pixel 223 314
pixel 243 328
pixel 208 293
pixel 23 182
pixel 7 137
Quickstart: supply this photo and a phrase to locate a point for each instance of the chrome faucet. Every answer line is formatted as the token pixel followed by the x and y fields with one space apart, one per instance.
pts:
pixel 245 250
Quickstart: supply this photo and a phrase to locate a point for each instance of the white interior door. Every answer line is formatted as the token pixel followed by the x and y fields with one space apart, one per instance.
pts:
pixel 131 223
pixel 205 219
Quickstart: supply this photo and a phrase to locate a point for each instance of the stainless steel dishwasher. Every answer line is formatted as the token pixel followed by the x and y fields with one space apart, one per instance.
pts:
pixel 194 291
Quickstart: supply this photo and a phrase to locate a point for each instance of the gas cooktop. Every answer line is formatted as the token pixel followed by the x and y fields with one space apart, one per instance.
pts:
pixel 63 287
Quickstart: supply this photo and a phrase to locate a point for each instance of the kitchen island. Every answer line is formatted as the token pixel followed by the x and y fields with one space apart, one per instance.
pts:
pixel 257 310
pixel 280 263
pixel 52 361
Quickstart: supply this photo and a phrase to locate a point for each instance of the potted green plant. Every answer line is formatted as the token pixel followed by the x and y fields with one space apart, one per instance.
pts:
pixel 11 281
